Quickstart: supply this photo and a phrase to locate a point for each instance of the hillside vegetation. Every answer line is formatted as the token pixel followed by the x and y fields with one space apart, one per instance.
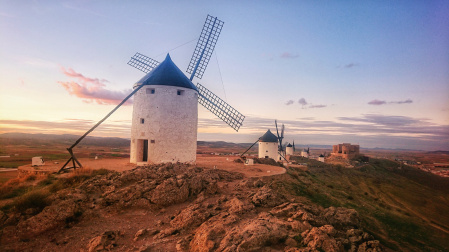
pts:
pixel 401 206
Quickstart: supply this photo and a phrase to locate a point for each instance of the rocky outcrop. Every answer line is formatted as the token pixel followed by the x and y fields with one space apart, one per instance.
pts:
pixel 104 242
pixel 198 210
pixel 145 187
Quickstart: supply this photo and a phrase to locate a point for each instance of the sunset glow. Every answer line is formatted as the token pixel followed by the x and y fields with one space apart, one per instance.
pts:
pixel 371 73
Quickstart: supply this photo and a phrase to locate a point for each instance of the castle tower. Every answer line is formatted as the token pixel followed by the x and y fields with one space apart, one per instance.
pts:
pixel 165 117
pixel 268 146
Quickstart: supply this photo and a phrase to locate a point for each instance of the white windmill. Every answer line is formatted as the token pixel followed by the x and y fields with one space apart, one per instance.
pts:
pixel 270 145
pixel 165 114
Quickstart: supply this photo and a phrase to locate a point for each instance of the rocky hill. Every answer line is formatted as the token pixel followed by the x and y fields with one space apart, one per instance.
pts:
pixel 176 207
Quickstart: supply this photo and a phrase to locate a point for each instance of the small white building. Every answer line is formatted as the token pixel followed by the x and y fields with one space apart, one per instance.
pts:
pixel 37 161
pixel 321 158
pixel 165 117
pixel 289 149
pixel 249 161
pixel 268 146
pixel 305 153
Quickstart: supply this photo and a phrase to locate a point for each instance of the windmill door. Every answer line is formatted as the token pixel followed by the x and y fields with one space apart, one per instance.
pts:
pixel 145 151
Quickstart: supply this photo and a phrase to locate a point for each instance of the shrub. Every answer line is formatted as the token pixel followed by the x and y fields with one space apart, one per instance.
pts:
pixel 36 200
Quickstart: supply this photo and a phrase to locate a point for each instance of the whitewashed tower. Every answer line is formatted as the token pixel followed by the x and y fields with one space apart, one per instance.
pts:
pixel 268 146
pixel 165 117
pixel 289 149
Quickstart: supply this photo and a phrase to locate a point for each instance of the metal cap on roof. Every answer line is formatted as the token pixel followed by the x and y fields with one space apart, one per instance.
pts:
pixel 167 74
pixel 289 145
pixel 268 137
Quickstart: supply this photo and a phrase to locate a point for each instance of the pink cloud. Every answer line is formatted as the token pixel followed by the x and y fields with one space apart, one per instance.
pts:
pixel 71 73
pixel 377 102
pixel 92 89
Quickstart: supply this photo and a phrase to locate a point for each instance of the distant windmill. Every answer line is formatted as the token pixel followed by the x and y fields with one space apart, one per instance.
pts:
pixel 270 145
pixel 174 108
pixel 280 137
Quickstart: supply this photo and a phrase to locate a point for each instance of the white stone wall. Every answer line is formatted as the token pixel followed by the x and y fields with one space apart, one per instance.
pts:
pixel 268 149
pixel 169 124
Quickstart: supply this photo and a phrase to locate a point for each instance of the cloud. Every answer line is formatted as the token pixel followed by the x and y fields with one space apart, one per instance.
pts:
pixel 402 102
pixel 377 102
pixel 351 65
pixel 288 55
pixel 318 106
pixel 368 130
pixel 289 102
pixel 302 101
pixel 92 89
pixel 71 73
pixel 383 120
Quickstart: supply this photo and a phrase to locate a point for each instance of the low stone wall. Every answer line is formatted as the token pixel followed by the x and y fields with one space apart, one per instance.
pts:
pixel 34 170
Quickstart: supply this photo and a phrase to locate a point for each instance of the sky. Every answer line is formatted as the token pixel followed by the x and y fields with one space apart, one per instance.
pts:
pixel 373 73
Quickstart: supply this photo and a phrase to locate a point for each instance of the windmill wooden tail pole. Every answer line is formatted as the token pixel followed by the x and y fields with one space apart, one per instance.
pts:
pixel 242 156
pixel 70 149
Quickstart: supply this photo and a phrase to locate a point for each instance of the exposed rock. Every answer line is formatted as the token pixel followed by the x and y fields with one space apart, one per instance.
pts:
pixel 342 217
pixel 208 236
pixel 322 238
pixel 169 193
pixel 190 217
pixel 266 197
pixel 255 234
pixel 140 233
pixel 237 206
pixel 104 242
pixel 51 217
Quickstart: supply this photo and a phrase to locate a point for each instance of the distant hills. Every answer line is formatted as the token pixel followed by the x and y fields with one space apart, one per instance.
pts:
pixel 65 139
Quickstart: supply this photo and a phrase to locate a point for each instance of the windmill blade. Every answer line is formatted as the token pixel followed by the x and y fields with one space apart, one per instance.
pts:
pixel 282 131
pixel 205 46
pixel 220 108
pixel 277 131
pixel 142 62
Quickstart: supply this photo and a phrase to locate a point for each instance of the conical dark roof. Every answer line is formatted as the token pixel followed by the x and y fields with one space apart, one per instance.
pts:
pixel 289 145
pixel 167 74
pixel 268 137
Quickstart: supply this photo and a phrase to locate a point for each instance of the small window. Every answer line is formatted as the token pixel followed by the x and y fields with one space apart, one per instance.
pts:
pixel 180 92
pixel 142 120
pixel 150 90
pixel 152 141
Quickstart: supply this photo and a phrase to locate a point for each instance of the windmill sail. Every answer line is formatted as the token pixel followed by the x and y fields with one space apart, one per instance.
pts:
pixel 198 63
pixel 220 108
pixel 209 100
pixel 205 46
pixel 142 62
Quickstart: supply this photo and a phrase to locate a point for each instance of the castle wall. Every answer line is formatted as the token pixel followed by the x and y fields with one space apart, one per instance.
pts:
pixel 165 119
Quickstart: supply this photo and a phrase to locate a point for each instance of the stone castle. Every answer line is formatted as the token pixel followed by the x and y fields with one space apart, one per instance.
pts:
pixel 346 150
